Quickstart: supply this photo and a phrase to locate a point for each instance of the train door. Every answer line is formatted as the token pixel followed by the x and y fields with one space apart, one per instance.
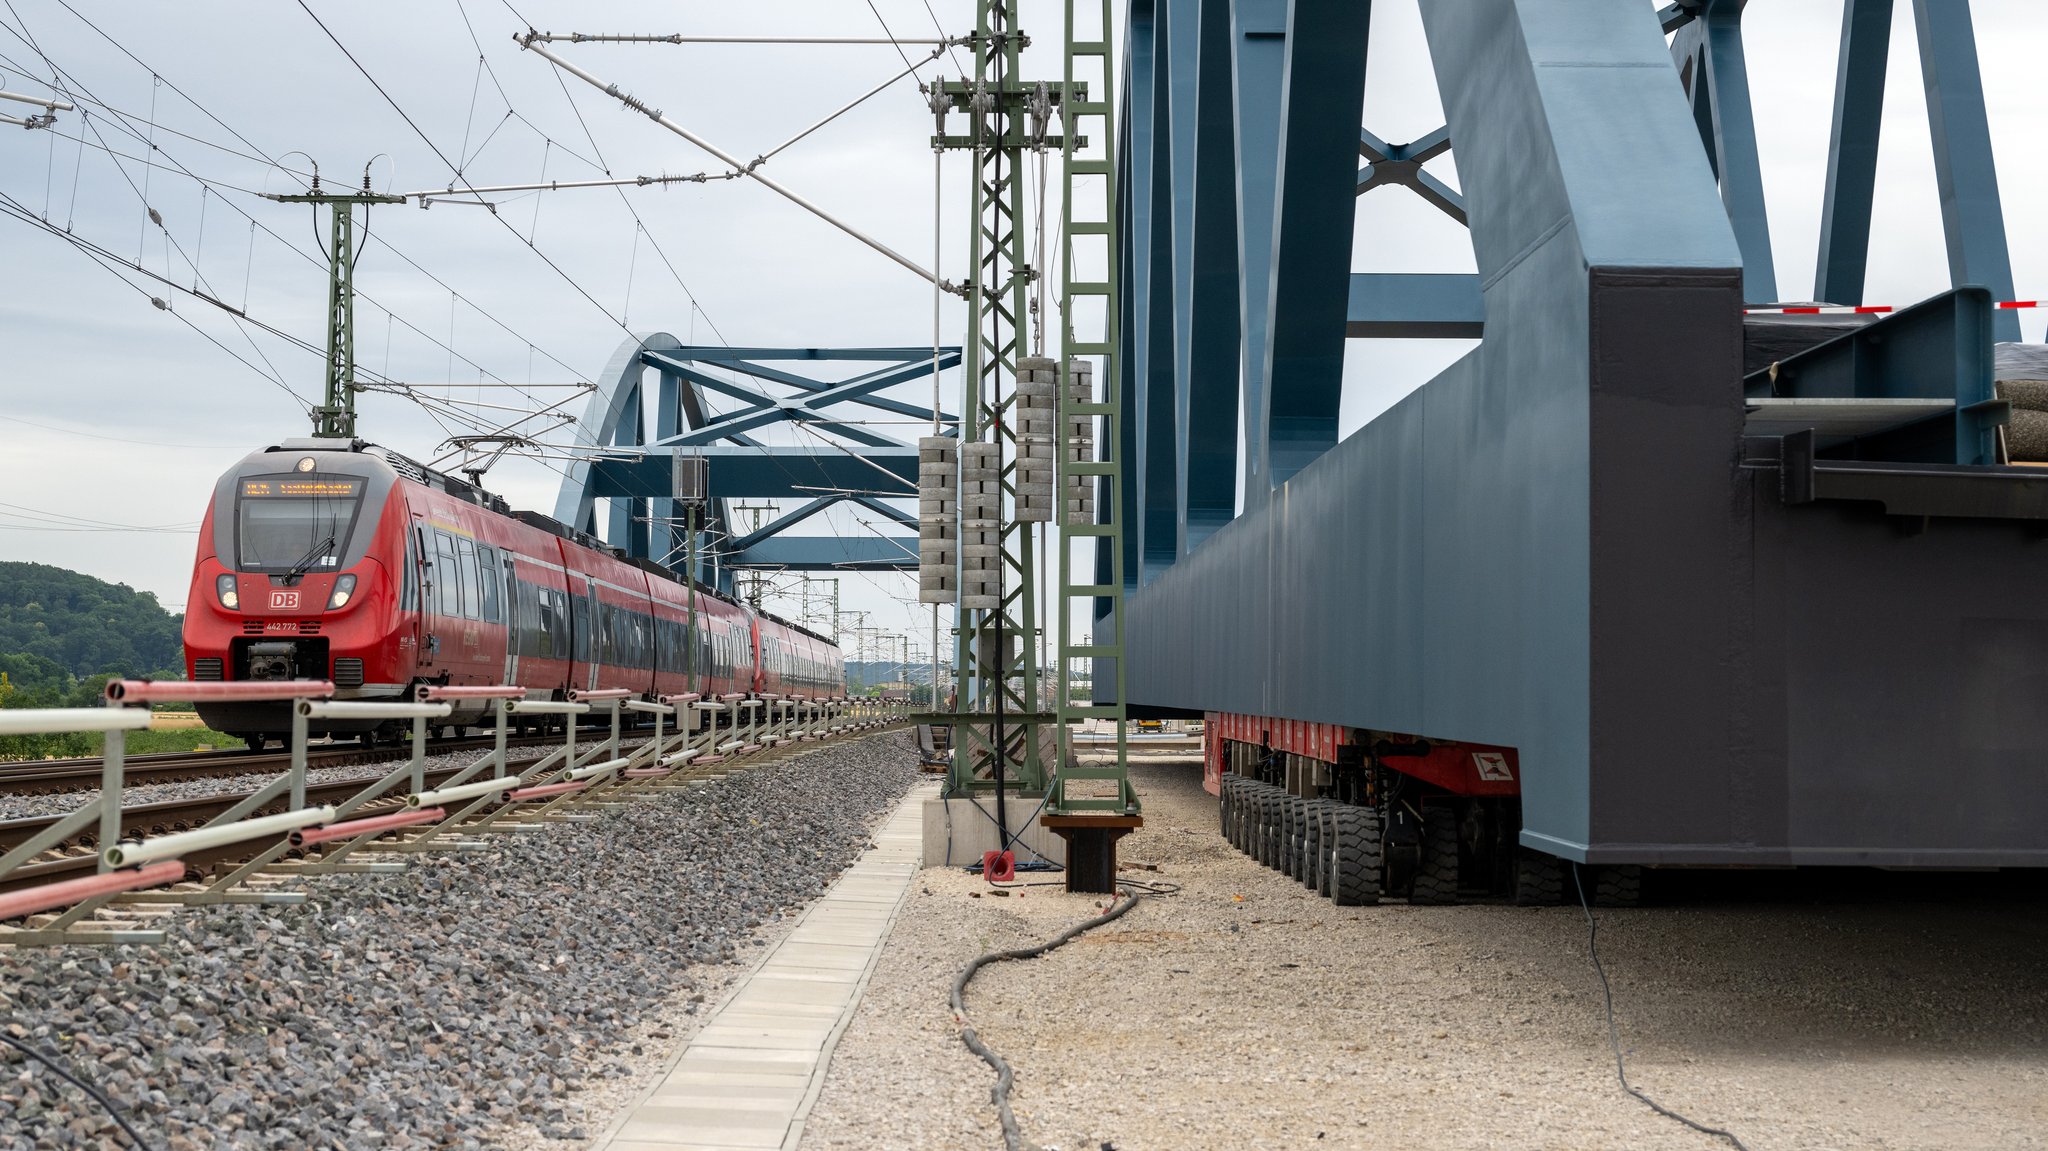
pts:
pixel 514 618
pixel 419 582
pixel 584 639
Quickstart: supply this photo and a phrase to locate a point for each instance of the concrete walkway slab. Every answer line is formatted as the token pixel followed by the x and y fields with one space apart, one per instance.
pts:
pixel 749 1078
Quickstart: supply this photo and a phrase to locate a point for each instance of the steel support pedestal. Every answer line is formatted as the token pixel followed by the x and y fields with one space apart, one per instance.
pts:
pixel 1091 848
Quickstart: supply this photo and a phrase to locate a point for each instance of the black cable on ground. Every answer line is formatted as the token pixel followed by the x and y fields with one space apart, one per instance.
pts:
pixel 1614 1035
pixel 1013 1136
pixel 75 1081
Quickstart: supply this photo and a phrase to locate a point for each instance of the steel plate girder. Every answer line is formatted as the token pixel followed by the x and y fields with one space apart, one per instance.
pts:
pixel 1434 573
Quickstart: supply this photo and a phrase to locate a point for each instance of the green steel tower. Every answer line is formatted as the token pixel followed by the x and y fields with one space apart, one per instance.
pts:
pixel 1010 733
pixel 336 415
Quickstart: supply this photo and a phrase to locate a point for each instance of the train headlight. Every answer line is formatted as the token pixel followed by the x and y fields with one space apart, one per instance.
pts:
pixel 306 465
pixel 224 590
pixel 344 587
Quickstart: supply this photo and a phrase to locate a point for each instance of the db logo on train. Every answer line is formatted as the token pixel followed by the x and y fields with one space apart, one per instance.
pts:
pixel 284 600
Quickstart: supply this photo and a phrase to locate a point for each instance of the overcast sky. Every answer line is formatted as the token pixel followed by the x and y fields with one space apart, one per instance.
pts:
pixel 114 411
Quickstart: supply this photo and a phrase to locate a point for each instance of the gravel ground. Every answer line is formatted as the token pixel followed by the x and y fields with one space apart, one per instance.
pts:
pixel 504 998
pixel 1815 1010
pixel 27 806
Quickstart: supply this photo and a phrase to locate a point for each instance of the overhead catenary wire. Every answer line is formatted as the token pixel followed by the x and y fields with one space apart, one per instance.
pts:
pixel 216 185
pixel 530 42
pixel 679 38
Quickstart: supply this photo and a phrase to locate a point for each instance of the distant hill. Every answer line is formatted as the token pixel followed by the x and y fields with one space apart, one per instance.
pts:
pixel 83 626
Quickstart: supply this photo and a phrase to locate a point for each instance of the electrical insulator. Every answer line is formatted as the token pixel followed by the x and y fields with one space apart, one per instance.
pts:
pixel 938 496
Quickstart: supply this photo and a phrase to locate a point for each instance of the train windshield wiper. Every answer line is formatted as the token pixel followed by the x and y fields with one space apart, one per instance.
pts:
pixel 306 561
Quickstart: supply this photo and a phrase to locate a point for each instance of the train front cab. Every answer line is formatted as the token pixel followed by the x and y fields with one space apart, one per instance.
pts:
pixel 1360 815
pixel 299 575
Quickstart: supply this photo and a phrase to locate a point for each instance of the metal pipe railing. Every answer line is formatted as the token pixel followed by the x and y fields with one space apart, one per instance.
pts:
pixel 131 853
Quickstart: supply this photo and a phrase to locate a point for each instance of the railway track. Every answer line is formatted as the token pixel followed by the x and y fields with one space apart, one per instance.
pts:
pixel 59 776
pixel 79 856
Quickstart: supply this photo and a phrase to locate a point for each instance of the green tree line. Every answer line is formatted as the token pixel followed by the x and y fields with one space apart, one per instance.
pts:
pixel 63 635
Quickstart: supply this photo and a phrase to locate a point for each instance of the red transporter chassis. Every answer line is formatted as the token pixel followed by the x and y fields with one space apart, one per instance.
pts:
pixel 1466 769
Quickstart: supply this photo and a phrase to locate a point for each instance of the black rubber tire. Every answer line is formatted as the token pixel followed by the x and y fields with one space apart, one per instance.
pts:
pixel 1254 830
pixel 1240 808
pixel 1240 799
pixel 1274 810
pixel 1539 879
pixel 1353 849
pixel 1618 886
pixel 1436 876
pixel 1315 827
pixel 1252 834
pixel 1295 814
pixel 1223 790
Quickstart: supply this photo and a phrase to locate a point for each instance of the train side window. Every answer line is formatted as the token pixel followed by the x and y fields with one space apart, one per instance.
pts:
pixel 487 567
pixel 409 583
pixel 548 624
pixel 579 625
pixel 472 587
pixel 447 576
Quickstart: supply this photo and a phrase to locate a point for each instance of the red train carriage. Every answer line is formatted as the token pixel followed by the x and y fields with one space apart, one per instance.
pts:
pixel 329 559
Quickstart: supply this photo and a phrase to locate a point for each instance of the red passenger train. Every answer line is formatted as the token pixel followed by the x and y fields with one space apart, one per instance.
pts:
pixel 337 559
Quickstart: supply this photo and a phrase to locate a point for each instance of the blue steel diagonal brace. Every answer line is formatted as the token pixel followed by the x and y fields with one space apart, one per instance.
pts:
pixel 1852 151
pixel 1322 98
pixel 1205 284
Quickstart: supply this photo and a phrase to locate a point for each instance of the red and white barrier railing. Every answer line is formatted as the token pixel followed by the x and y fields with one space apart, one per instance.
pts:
pixel 690 729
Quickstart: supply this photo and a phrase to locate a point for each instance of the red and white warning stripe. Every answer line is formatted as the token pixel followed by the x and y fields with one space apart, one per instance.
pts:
pixel 1864 310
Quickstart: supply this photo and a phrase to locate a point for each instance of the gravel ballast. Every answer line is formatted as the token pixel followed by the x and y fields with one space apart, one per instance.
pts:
pixel 483 999
pixel 1799 1010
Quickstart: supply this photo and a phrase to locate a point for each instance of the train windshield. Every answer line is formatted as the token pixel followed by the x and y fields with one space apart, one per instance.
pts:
pixel 296 523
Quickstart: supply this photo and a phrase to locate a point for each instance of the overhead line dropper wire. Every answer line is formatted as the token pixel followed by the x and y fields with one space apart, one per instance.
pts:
pixel 443 156
pixel 613 91
pixel 216 185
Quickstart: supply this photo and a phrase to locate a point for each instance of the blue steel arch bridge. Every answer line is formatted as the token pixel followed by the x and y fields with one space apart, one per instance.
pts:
pixel 835 456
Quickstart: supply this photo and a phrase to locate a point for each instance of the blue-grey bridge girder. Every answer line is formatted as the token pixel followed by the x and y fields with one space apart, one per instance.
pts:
pixel 1551 546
